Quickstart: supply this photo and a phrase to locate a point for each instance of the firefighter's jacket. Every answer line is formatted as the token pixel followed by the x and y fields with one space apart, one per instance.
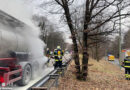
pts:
pixel 58 54
pixel 127 63
pixel 63 52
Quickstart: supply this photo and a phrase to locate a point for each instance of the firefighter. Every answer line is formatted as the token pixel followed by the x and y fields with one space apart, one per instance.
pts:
pixel 58 53
pixel 48 55
pixel 47 52
pixel 56 59
pixel 127 67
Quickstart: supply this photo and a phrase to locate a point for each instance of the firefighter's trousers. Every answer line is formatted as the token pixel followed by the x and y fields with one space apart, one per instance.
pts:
pixel 60 64
pixel 56 64
pixel 127 73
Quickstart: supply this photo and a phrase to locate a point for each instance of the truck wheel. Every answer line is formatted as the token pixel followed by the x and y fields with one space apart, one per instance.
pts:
pixel 26 76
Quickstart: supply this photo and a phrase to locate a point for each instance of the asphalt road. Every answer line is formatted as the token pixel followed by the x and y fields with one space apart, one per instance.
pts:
pixel 116 62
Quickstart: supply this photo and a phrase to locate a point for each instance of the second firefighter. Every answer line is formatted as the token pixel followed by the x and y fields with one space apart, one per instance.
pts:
pixel 58 54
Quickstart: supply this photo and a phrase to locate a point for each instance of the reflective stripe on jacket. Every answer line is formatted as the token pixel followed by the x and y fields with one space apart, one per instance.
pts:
pixel 58 54
pixel 127 75
pixel 127 63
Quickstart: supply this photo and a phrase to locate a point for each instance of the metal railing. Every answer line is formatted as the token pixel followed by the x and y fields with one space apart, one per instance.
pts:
pixel 53 77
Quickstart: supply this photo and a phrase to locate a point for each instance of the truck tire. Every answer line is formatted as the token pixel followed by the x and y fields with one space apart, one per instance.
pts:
pixel 26 75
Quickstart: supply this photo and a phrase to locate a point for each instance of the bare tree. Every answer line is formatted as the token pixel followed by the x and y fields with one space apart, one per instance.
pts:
pixel 126 43
pixel 114 47
pixel 49 34
pixel 45 26
pixel 97 14
pixel 55 38
pixel 65 5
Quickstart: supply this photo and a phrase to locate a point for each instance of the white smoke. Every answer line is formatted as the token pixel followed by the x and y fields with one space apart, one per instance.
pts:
pixel 30 36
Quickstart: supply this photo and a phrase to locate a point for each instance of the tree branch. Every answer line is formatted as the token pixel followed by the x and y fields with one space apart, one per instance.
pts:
pixel 105 7
pixel 59 3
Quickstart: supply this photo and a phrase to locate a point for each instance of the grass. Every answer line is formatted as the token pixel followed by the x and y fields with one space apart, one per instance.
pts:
pixel 102 76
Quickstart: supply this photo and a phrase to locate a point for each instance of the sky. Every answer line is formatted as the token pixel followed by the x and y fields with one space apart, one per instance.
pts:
pixel 46 7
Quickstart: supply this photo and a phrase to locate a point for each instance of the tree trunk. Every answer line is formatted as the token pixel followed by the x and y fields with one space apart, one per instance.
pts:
pixel 76 57
pixel 97 56
pixel 85 57
pixel 85 42
pixel 75 45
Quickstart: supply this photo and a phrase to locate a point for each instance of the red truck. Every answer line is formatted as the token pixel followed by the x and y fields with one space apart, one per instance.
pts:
pixel 12 72
pixel 15 63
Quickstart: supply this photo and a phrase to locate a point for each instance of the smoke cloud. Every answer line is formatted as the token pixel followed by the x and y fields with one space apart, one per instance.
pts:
pixel 21 35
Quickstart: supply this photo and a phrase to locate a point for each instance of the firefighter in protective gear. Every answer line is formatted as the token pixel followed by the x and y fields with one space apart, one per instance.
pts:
pixel 58 57
pixel 48 55
pixel 127 67
pixel 47 52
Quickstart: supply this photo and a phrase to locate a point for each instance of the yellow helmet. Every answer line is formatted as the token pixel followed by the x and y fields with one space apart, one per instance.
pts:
pixel 58 47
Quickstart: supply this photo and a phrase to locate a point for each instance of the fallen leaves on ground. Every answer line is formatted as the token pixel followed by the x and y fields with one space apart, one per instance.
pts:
pixel 102 76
